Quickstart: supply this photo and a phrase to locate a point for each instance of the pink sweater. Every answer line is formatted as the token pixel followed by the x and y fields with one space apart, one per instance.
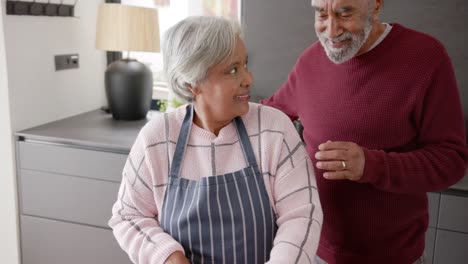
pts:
pixel 399 102
pixel 287 170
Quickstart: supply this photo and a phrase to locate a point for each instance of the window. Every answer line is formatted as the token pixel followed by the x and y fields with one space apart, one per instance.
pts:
pixel 170 12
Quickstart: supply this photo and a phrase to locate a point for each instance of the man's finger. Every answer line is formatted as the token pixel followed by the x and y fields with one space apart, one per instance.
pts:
pixel 335 175
pixel 335 145
pixel 331 155
pixel 330 165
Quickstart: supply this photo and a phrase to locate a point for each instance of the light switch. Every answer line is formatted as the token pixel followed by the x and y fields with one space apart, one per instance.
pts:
pixel 67 61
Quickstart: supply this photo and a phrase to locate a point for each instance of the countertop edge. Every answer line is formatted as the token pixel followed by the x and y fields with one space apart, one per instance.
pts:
pixel 72 143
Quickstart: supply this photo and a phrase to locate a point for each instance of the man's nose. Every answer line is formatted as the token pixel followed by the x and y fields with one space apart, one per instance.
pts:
pixel 333 28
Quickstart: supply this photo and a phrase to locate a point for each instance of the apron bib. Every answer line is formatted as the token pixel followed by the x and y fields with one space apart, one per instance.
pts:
pixel 219 219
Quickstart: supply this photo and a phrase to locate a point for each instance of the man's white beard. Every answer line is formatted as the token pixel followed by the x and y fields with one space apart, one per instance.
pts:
pixel 349 50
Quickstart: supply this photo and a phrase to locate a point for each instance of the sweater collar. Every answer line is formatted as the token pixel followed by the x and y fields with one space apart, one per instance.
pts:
pixel 227 133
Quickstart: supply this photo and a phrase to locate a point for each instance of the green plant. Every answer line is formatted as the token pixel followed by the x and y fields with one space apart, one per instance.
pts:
pixel 175 103
pixel 162 105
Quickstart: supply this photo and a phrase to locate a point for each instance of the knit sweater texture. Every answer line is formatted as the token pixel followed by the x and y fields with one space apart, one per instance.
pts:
pixel 400 102
pixel 281 156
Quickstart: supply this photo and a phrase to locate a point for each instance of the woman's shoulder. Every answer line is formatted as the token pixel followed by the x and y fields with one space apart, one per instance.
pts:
pixel 158 126
pixel 268 118
pixel 268 112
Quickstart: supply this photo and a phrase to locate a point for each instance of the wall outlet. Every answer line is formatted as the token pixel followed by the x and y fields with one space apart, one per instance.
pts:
pixel 67 61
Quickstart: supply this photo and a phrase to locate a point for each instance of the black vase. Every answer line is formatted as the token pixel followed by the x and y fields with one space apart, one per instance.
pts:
pixel 129 88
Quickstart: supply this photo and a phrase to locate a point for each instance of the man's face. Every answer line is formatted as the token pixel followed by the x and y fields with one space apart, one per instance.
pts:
pixel 343 27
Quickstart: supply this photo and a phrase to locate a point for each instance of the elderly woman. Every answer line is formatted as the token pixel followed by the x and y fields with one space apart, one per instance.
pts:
pixel 219 180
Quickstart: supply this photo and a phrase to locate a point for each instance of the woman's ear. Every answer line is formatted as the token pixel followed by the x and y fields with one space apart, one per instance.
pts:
pixel 194 89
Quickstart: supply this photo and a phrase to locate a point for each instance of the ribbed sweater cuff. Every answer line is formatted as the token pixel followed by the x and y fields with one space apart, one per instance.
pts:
pixel 169 246
pixel 375 166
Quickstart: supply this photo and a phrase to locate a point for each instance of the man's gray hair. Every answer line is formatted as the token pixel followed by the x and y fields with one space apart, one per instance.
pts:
pixel 368 1
pixel 194 45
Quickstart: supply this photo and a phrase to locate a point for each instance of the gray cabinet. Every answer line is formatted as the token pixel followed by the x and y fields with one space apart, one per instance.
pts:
pixel 66 195
pixel 430 242
pixel 47 241
pixel 92 163
pixel 451 247
pixel 434 200
pixel 453 214
pixel 447 235
pixel 69 173
pixel 67 198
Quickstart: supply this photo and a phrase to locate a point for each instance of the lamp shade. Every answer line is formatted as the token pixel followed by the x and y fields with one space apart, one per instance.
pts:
pixel 128 82
pixel 127 28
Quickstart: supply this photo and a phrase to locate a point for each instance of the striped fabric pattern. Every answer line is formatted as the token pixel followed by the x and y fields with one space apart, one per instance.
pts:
pixel 285 168
pixel 240 214
pixel 211 237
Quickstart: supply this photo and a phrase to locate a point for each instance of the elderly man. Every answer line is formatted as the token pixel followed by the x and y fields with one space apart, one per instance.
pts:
pixel 383 124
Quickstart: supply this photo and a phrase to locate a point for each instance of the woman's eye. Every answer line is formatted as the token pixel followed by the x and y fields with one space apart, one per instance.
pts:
pixel 245 66
pixel 233 70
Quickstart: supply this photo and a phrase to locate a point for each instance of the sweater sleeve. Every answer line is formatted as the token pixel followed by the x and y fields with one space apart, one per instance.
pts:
pixel 134 215
pixel 297 204
pixel 282 98
pixel 441 157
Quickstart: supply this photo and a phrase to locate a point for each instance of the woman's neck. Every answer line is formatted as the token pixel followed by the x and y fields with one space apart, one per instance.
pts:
pixel 205 120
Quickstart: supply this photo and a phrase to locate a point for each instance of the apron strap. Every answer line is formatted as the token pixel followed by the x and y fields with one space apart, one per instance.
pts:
pixel 183 138
pixel 245 142
pixel 182 141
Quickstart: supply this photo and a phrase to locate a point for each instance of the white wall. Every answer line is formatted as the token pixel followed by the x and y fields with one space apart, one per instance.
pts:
pixel 8 216
pixel 39 94
pixel 32 93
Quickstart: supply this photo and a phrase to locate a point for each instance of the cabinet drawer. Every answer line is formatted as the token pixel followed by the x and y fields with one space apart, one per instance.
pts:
pixel 430 242
pixel 46 241
pixel 451 247
pixel 453 213
pixel 72 161
pixel 433 199
pixel 67 198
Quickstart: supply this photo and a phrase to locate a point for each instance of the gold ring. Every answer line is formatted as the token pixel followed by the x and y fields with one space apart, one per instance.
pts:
pixel 343 163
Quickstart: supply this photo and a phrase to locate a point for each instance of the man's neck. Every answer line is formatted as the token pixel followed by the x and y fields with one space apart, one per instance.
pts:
pixel 377 30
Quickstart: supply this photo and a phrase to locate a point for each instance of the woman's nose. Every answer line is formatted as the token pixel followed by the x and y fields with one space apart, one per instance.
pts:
pixel 248 79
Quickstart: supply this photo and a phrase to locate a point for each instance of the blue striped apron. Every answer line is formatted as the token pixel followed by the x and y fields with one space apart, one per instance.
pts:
pixel 219 219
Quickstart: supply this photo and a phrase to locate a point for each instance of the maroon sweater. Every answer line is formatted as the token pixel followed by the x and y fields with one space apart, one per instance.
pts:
pixel 400 102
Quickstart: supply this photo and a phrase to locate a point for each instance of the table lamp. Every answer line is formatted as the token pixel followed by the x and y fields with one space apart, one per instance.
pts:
pixel 128 82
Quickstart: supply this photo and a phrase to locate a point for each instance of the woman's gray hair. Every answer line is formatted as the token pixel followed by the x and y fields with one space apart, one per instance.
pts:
pixel 194 45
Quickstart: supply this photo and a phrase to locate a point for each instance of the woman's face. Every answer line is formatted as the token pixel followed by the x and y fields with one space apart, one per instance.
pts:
pixel 225 93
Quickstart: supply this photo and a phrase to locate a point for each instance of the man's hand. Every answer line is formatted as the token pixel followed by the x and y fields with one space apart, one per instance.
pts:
pixel 340 160
pixel 177 258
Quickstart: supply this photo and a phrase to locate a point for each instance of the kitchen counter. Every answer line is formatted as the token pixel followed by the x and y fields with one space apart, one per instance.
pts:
pixel 94 129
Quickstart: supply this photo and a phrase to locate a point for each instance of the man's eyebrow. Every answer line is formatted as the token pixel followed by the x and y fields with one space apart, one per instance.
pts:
pixel 344 9
pixel 318 9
